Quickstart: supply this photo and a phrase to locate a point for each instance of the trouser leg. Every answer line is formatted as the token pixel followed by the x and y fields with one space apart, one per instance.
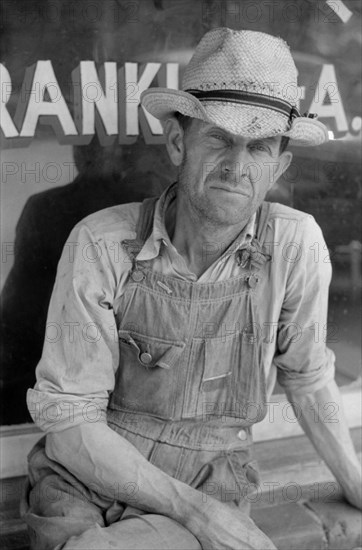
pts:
pixel 55 512
pixel 144 532
pixel 55 505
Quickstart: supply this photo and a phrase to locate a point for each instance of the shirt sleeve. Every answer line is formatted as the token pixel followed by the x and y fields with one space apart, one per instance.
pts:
pixel 80 353
pixel 304 362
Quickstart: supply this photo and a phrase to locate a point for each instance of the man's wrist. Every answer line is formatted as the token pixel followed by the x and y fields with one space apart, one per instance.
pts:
pixel 188 508
pixel 353 492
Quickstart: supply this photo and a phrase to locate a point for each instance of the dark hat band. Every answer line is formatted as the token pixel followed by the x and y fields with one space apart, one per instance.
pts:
pixel 247 98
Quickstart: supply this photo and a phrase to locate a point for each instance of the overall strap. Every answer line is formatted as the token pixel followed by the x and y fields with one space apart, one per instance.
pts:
pixel 145 219
pixel 262 221
pixel 143 229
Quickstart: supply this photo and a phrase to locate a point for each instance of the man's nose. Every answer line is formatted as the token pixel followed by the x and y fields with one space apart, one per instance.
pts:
pixel 236 163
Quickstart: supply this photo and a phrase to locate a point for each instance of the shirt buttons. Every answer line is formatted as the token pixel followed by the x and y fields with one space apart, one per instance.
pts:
pixel 242 435
pixel 137 276
pixel 145 358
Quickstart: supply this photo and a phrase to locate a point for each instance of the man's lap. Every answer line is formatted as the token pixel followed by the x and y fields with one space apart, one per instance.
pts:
pixel 144 532
pixel 62 513
pixel 80 525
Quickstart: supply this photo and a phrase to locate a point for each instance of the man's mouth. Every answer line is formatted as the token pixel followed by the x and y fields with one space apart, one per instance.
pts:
pixel 231 189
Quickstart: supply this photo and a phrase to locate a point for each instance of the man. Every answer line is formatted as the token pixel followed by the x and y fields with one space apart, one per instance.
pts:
pixel 161 352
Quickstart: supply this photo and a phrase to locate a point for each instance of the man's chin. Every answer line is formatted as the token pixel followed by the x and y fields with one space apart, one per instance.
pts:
pixel 231 212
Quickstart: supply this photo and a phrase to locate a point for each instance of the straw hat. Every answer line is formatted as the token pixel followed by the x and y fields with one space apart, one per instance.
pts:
pixel 244 82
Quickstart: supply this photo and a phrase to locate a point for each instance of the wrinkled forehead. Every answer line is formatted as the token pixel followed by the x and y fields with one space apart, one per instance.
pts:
pixel 204 128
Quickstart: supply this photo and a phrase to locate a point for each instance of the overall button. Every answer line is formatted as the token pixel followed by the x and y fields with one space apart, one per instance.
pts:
pixel 252 281
pixel 137 276
pixel 250 337
pixel 242 435
pixel 146 358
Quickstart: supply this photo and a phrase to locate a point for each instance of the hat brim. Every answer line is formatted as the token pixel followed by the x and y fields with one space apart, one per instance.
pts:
pixel 243 120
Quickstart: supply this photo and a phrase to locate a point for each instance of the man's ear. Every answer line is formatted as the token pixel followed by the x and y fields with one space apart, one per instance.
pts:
pixel 283 164
pixel 174 140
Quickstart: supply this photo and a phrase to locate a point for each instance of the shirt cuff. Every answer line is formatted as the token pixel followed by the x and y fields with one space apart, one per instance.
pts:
pixel 310 381
pixel 55 412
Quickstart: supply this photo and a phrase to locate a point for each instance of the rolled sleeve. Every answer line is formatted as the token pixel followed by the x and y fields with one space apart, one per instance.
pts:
pixel 304 363
pixel 80 353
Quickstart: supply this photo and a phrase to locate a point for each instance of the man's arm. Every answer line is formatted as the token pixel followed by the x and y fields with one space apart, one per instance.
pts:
pixel 306 366
pixel 321 415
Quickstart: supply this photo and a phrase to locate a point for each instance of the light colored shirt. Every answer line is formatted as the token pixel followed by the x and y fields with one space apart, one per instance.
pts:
pixel 81 355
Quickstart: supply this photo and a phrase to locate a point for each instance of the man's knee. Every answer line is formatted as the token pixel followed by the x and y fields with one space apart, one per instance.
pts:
pixel 174 536
pixel 54 511
pixel 144 532
pixel 52 496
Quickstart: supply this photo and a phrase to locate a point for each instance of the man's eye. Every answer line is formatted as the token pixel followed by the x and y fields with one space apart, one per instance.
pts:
pixel 260 147
pixel 220 137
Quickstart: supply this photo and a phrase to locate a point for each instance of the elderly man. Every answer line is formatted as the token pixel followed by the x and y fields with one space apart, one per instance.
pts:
pixel 170 320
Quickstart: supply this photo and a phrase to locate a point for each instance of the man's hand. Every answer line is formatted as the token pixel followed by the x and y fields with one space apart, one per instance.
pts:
pixel 218 526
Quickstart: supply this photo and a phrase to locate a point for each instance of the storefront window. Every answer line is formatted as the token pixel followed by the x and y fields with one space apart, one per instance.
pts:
pixel 74 140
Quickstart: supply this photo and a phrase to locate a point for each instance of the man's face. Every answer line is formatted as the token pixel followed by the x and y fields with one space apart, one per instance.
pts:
pixel 224 178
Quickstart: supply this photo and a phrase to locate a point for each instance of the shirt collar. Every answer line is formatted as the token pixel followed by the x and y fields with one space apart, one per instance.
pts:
pixel 159 235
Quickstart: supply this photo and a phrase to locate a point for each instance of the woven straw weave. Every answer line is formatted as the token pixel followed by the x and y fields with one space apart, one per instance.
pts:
pixel 248 61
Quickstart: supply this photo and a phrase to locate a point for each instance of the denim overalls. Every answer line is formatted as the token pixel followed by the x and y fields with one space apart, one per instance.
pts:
pixel 191 380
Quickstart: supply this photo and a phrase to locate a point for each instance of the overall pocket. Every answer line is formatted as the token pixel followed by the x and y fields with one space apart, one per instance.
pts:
pixel 230 477
pixel 246 477
pixel 233 380
pixel 146 379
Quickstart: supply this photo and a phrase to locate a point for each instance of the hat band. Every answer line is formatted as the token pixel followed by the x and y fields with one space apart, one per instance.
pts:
pixel 248 98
